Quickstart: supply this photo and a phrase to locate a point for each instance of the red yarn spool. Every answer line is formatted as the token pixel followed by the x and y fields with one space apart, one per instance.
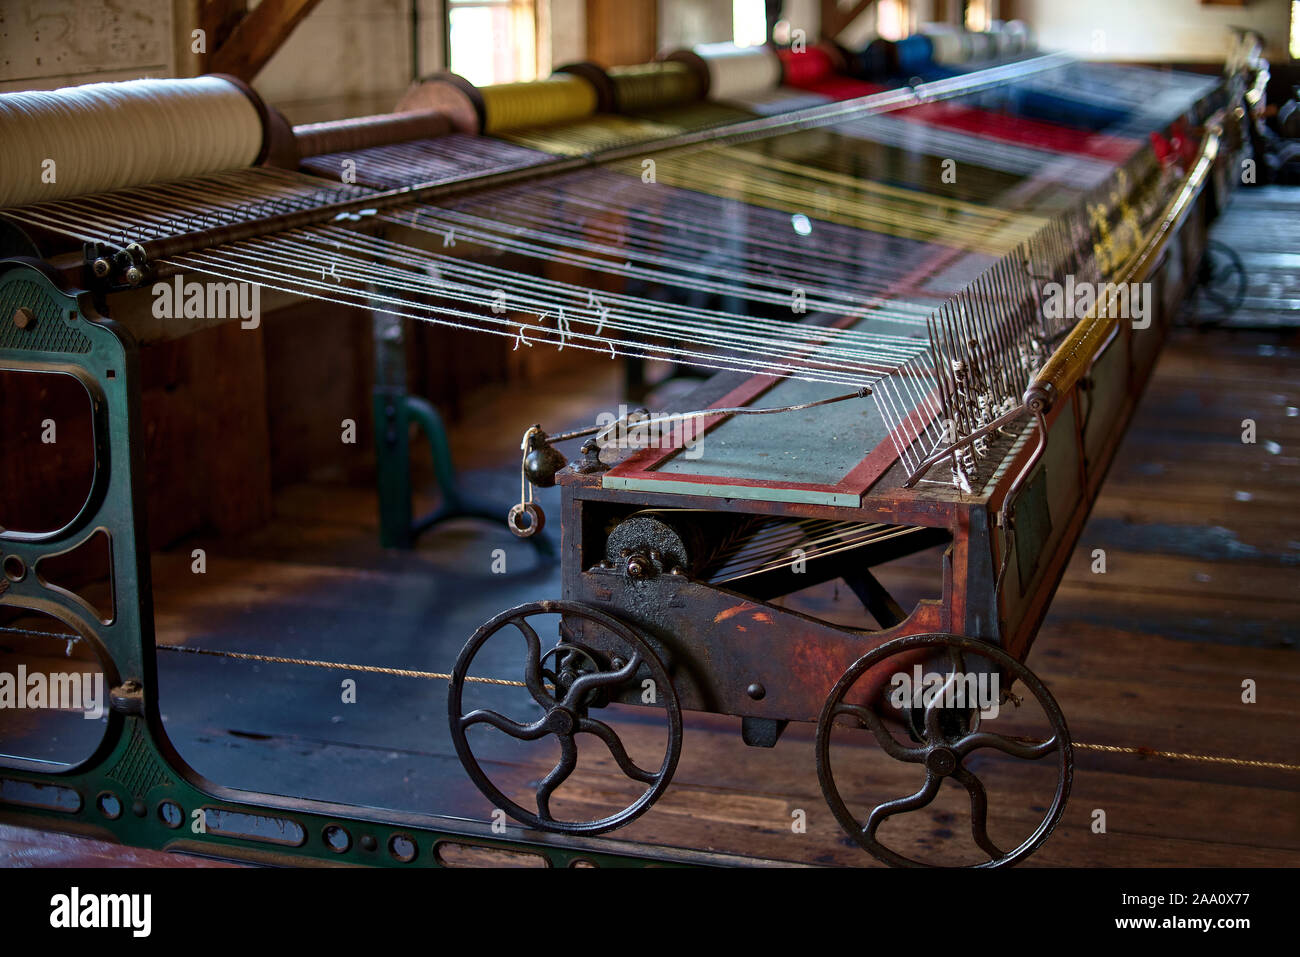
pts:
pixel 808 68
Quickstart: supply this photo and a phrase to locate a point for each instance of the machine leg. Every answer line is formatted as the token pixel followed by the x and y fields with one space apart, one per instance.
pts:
pixel 394 412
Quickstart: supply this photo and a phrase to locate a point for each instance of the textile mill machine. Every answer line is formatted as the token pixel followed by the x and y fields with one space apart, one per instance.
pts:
pixel 873 257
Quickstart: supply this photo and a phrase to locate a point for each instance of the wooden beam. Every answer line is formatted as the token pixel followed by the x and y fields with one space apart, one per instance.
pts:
pixel 257 36
pixel 835 19
pixel 829 12
pixel 217 20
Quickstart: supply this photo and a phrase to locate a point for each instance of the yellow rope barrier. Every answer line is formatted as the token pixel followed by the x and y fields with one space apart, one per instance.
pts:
pixel 336 665
pixel 409 673
pixel 444 676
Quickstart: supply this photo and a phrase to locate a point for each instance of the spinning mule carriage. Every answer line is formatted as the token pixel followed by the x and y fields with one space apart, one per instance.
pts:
pixel 675 567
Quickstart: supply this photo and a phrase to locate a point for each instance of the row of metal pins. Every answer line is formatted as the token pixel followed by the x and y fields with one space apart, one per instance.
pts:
pixel 1065 247
pixel 1000 292
pixel 997 319
pixel 986 324
pixel 981 345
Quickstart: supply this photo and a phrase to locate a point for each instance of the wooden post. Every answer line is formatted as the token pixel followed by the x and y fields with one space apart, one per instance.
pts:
pixel 835 20
pixel 622 32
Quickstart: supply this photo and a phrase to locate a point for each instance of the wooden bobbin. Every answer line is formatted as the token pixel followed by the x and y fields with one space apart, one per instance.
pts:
pixel 450 95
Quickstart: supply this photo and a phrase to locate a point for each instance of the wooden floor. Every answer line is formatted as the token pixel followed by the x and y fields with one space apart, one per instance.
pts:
pixel 1201 534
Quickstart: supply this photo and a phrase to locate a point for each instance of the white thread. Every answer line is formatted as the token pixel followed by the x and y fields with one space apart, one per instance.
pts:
pixel 739 71
pixel 949 43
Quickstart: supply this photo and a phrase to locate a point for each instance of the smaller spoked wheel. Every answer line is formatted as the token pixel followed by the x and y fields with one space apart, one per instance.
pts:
pixel 568 682
pixel 943 733
pixel 1222 281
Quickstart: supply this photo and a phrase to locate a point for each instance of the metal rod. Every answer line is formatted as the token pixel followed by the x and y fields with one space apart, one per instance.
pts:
pixel 703 413
pixel 947 451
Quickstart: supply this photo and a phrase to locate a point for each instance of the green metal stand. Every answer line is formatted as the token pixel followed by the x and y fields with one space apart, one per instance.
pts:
pixel 394 412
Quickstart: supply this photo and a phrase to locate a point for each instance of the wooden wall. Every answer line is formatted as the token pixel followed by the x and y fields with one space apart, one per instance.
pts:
pixel 52 43
pixel 346 58
pixel 1154 30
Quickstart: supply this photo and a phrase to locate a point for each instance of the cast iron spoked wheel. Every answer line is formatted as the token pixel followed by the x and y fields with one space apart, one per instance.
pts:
pixel 1222 280
pixel 580 681
pixel 947 737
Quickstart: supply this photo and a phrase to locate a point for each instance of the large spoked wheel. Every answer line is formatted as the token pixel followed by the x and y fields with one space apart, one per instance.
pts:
pixel 945 739
pixel 568 682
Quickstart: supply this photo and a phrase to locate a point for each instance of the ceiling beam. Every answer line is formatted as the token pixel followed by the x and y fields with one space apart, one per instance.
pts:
pixel 835 19
pixel 217 18
pixel 257 36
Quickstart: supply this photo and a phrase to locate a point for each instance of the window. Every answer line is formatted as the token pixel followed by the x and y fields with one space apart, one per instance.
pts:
pixel 1295 30
pixel 493 41
pixel 977 15
pixel 892 19
pixel 749 22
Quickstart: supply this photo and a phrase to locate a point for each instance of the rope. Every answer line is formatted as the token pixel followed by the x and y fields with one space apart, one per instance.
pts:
pixel 336 665
pixel 537 103
pixel 653 85
pixel 1186 756
pixel 60 635
pixel 807 67
pixel 444 676
pixel 739 71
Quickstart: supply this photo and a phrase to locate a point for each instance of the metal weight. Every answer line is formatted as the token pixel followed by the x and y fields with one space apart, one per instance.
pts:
pixel 536 519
